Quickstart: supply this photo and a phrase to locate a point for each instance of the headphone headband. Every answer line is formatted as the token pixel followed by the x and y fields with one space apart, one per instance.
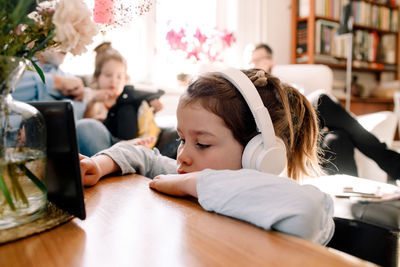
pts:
pixel 249 92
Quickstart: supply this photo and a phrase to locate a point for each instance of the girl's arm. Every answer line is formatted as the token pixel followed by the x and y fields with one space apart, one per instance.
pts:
pixel 268 201
pixel 92 169
pixel 125 158
pixel 138 159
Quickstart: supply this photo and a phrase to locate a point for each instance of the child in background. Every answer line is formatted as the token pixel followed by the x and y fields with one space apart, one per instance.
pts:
pixel 216 125
pixel 116 112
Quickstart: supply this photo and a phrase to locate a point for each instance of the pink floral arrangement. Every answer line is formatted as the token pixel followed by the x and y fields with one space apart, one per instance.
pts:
pixel 200 46
pixel 118 13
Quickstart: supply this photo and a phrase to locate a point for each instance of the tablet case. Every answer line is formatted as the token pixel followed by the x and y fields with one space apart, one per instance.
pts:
pixel 63 180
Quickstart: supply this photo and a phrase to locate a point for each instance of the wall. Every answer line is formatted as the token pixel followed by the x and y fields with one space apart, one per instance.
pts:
pixel 278 30
pixel 256 21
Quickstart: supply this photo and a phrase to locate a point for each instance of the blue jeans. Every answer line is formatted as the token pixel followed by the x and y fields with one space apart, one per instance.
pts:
pixel 93 136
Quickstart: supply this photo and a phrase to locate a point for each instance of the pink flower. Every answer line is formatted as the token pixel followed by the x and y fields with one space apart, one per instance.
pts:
pixel 175 40
pixel 228 39
pixel 199 36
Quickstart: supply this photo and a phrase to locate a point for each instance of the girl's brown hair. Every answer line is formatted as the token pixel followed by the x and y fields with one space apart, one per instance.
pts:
pixel 293 117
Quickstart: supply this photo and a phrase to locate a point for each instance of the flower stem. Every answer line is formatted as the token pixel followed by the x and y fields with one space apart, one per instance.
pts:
pixel 34 179
pixel 6 193
pixel 14 180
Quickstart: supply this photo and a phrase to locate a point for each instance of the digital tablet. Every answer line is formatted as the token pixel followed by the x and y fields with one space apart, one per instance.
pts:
pixel 63 180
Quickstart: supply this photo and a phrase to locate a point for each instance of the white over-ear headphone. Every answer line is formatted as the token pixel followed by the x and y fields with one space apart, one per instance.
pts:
pixel 264 152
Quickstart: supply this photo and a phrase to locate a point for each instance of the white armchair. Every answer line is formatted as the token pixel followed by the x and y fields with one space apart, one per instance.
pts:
pixel 309 78
pixel 306 77
pixel 383 126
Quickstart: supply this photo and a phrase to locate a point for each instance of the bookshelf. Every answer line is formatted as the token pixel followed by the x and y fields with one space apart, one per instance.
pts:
pixel 375 35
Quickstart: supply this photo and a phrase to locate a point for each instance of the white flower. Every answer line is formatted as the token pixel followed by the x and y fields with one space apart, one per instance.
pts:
pixel 74 26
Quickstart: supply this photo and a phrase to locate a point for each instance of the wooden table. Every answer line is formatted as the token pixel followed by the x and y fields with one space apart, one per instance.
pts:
pixel 129 224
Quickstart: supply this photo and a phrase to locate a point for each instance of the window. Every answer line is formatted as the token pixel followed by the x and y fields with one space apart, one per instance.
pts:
pixel 143 42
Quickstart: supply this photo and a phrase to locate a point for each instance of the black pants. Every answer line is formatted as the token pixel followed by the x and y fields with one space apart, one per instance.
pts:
pixel 343 135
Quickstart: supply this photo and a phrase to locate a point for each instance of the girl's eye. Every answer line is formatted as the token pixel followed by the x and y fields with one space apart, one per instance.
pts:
pixel 180 140
pixel 202 146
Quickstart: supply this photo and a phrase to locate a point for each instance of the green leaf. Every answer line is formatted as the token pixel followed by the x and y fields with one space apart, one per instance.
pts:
pixel 6 193
pixel 43 43
pixel 22 9
pixel 39 71
pixel 34 179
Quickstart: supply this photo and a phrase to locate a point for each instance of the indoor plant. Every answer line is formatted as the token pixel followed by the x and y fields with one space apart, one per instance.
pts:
pixel 27 27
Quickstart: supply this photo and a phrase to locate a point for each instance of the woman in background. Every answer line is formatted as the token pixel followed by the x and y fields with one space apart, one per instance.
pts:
pixel 116 111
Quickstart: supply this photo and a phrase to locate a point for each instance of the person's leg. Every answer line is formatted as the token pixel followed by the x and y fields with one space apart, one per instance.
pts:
pixel 335 117
pixel 79 109
pixel 338 153
pixel 93 136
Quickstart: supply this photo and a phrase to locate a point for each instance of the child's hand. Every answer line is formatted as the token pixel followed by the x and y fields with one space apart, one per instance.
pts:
pixel 90 170
pixel 156 105
pixel 176 184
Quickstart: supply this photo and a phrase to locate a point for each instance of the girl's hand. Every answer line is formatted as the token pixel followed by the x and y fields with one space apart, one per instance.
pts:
pixel 156 105
pixel 101 95
pixel 176 184
pixel 92 169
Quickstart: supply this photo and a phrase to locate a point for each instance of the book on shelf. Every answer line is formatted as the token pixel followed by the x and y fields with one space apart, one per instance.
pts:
pixel 325 32
pixel 329 8
pixel 390 67
pixel 303 8
pixel 387 49
pixel 381 15
pixel 301 37
pixel 375 34
pixel 365 45
pixel 371 15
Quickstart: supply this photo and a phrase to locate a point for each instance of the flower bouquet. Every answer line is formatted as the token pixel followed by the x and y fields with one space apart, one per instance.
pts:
pixel 30 26
pixel 200 45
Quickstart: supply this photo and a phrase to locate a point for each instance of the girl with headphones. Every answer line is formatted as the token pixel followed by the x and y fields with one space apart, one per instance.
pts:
pixel 241 133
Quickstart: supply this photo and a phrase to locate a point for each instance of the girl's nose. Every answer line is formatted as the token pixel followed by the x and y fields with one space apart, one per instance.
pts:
pixel 183 156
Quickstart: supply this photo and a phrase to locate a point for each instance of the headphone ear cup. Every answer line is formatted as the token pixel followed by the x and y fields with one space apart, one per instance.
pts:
pixel 272 160
pixel 248 158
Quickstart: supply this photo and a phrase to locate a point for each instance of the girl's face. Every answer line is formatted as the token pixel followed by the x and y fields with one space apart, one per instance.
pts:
pixel 206 142
pixel 112 76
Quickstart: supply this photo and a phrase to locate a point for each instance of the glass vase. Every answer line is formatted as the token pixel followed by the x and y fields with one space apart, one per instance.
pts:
pixel 23 194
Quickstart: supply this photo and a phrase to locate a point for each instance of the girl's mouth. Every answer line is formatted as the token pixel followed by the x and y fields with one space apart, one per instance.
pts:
pixel 181 172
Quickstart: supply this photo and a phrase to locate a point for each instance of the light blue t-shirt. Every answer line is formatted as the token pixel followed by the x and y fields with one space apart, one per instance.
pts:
pixel 31 88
